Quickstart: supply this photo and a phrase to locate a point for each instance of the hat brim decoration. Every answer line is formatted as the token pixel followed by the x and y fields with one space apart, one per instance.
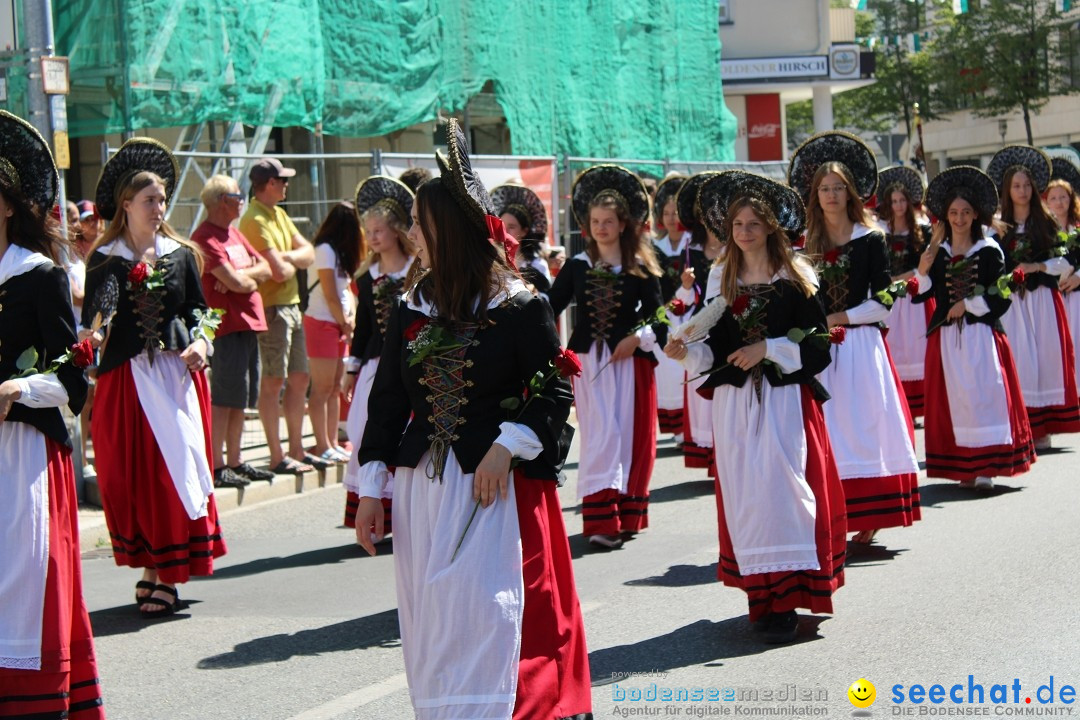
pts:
pixel 720 191
pixel 1032 159
pixel 1065 170
pixel 686 200
pixel 614 179
pixel 379 189
pixel 907 177
pixel 136 155
pixel 26 162
pixel 665 192
pixel 456 172
pixel 979 187
pixel 524 199
pixel 834 146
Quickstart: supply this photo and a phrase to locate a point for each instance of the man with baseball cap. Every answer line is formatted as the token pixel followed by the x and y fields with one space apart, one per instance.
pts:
pixel 281 348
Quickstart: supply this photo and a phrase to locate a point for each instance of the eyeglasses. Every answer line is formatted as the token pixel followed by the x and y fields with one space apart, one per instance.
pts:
pixel 833 189
pixel 238 197
pixel 282 180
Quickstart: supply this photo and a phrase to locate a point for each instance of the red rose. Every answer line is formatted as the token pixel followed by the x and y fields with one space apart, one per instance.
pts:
pixel 138 273
pixel 837 334
pixel 677 307
pixel 832 256
pixel 1018 276
pixel 899 247
pixel 741 303
pixel 956 258
pixel 414 329
pixel 567 363
pixel 912 286
pixel 82 354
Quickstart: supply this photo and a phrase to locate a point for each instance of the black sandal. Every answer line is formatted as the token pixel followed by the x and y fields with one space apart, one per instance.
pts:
pixel 164 608
pixel 143 585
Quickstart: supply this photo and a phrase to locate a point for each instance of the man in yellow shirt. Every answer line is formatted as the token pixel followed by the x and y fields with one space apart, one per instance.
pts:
pixel 281 348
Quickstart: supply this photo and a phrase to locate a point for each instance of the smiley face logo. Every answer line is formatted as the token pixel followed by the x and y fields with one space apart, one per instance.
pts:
pixel 862 693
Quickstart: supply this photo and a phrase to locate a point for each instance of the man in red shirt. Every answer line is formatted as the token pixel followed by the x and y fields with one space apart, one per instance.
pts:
pixel 231 275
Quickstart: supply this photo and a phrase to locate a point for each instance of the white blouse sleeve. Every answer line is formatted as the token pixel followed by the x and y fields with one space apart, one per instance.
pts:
pixel 41 391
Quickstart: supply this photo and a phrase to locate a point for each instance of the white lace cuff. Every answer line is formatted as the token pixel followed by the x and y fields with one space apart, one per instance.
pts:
pixel 868 312
pixel 647 338
pixel 41 391
pixel 520 440
pixel 373 479
pixel 1058 266
pixel 925 283
pixel 784 353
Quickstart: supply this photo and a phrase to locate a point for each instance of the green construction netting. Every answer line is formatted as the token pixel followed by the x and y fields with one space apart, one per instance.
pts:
pixel 608 78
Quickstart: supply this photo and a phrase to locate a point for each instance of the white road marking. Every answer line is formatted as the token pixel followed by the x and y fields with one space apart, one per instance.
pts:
pixel 353 700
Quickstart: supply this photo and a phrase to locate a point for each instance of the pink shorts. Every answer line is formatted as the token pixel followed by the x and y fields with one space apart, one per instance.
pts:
pixel 324 339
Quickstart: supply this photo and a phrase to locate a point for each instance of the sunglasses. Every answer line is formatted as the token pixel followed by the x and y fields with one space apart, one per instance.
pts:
pixel 239 197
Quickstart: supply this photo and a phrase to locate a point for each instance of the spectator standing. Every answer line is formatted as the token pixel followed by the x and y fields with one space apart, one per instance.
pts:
pixel 232 271
pixel 281 348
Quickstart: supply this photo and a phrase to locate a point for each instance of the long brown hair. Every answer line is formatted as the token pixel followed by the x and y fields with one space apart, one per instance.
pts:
pixel 341 231
pixel 1073 218
pixel 30 227
pixel 962 193
pixel 638 256
pixel 781 256
pixel 1040 226
pixel 817 242
pixel 909 215
pixel 118 225
pixel 466 269
pixel 393 220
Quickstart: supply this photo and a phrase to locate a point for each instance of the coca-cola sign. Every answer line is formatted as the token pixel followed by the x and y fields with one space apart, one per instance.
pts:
pixel 764 140
pixel 764 130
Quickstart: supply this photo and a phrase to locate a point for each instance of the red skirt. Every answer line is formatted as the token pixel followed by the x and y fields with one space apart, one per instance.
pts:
pixel 352 504
pixel 1059 418
pixel 811 589
pixel 944 458
pixel 148 523
pixel 68 680
pixel 694 455
pixel 610 512
pixel 553 670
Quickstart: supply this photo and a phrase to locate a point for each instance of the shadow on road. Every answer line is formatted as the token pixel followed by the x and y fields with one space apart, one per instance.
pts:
pixel 870 555
pixel 125 619
pixel 682 491
pixel 946 492
pixel 680 576
pixel 379 630
pixel 700 643
pixel 311 558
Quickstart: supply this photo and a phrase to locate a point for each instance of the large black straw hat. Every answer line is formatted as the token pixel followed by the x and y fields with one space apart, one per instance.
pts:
pixel 720 191
pixel 26 163
pixel 975 184
pixel 525 202
pixel 686 201
pixel 382 190
pixel 612 179
pixel 906 177
pixel 833 146
pixel 1065 170
pixel 1031 159
pixel 457 173
pixel 665 191
pixel 135 156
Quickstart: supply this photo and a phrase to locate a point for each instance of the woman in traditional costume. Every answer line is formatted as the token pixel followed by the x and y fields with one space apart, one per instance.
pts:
pixel 869 423
pixel 384 206
pixel 490 623
pixel 1064 205
pixel 1036 323
pixel 615 283
pixel 780 506
pixel 525 219
pixel 151 422
pixel 976 424
pixel 47 664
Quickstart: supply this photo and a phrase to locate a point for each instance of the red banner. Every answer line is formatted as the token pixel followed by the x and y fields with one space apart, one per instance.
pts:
pixel 764 137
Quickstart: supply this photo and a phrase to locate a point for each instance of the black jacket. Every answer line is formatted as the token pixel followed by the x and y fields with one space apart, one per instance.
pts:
pixel 636 298
pixel 903 253
pixel 672 267
pixel 373 314
pixel 174 322
pixel 35 310
pixel 867 273
pixel 497 365
pixel 786 308
pixel 1019 247
pixel 948 287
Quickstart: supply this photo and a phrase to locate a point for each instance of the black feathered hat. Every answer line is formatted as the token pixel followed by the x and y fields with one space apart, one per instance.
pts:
pixel 523 200
pixel 456 172
pixel 686 201
pixel 26 163
pixel 665 191
pixel 1031 159
pixel 135 156
pixel 906 177
pixel 1065 170
pixel 833 146
pixel 975 185
pixel 614 180
pixel 720 191
pixel 382 190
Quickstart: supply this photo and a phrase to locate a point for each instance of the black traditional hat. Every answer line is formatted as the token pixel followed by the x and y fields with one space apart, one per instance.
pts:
pixel 665 191
pixel 613 179
pixel 457 174
pixel 382 190
pixel 135 156
pixel 906 177
pixel 524 201
pixel 1067 171
pixel 978 187
pixel 720 191
pixel 26 163
pixel 833 146
pixel 1031 159
pixel 686 200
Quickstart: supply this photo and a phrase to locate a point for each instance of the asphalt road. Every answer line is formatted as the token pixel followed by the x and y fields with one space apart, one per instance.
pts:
pixel 297 623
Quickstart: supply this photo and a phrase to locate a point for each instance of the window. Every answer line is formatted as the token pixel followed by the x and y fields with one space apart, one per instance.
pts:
pixel 725 12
